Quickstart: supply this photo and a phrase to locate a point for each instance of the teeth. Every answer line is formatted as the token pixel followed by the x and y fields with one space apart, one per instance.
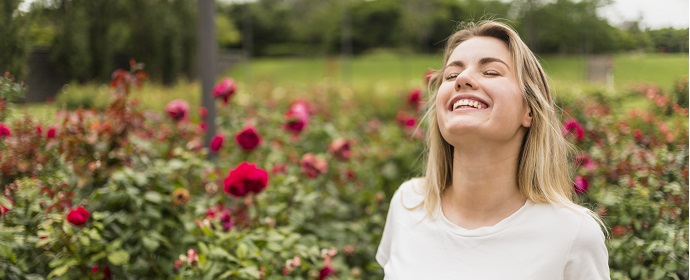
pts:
pixel 467 103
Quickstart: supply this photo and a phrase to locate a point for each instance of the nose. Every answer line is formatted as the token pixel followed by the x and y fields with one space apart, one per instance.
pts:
pixel 464 80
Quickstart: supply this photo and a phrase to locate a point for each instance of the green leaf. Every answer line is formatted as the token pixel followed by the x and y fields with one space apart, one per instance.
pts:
pixel 4 201
pixel 6 251
pixel 153 197
pixel 118 257
pixel 251 271
pixel 150 243
pixel 242 251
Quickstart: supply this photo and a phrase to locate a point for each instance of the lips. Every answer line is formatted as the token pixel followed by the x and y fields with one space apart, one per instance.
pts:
pixel 467 102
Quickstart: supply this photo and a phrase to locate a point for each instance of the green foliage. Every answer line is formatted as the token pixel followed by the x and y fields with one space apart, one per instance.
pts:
pixel 13 39
pixel 10 92
pixel 670 39
pixel 226 31
pixel 636 164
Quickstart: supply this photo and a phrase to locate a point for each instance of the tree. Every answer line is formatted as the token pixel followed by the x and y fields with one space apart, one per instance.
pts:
pixel 13 47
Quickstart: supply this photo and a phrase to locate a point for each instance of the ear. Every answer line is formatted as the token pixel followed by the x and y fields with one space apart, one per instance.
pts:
pixel 527 118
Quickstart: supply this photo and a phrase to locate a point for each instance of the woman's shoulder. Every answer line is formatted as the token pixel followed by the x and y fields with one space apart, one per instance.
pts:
pixel 410 194
pixel 574 218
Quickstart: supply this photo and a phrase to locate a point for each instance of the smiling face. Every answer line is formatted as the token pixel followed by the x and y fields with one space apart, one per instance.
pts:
pixel 479 97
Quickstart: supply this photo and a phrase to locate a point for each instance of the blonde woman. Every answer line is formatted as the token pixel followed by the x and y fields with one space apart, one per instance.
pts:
pixel 496 199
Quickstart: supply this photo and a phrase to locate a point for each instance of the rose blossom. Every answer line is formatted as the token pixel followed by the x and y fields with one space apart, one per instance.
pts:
pixel 313 166
pixel 177 109
pixel 325 272
pixel 4 130
pixel 225 89
pixel 52 131
pixel 246 178
pixel 405 119
pixel 78 216
pixel 581 185
pixel 297 117
pixel 248 138
pixel 340 149
pixel 414 99
pixel 217 142
pixel 571 125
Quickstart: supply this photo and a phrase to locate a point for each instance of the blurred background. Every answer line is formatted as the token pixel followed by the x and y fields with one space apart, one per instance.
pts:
pixel 50 43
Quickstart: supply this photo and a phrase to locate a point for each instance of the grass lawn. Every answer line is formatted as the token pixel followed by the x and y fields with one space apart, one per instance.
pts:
pixel 378 75
pixel 402 72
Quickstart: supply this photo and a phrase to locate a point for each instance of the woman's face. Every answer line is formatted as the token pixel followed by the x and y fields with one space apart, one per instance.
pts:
pixel 479 96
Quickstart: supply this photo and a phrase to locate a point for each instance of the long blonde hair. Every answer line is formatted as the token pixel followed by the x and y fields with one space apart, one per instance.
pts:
pixel 544 162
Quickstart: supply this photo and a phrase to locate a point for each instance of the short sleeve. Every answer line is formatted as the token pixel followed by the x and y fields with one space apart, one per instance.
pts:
pixel 588 256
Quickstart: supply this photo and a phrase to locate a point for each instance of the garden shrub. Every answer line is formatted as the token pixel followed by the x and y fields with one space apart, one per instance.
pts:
pixel 297 189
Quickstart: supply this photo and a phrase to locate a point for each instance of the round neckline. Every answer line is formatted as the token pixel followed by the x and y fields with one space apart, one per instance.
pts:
pixel 482 231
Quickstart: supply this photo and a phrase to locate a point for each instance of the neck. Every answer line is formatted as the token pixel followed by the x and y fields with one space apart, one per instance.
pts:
pixel 484 189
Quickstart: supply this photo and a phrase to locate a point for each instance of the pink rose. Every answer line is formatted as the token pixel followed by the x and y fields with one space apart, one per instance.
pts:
pixel 78 216
pixel 248 138
pixel 581 185
pixel 177 109
pixel 313 166
pixel 571 125
pixel 340 149
pixel 297 117
pixel 225 89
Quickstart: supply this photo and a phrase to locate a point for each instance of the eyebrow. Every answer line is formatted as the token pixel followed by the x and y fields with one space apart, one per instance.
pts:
pixel 482 61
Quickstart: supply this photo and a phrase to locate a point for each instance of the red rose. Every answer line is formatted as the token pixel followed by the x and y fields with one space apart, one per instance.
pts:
pixel 619 231
pixel 414 99
pixel 177 109
pixel 313 166
pixel 217 142
pixel 225 89
pixel 51 133
pixel 340 149
pixel 581 185
pixel 246 178
pixel 203 112
pixel 571 125
pixel 78 216
pixel 4 130
pixel 297 117
pixel 405 119
pixel 325 272
pixel 248 138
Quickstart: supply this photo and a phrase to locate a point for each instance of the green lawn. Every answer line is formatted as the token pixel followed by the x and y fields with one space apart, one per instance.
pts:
pixel 399 72
pixel 379 75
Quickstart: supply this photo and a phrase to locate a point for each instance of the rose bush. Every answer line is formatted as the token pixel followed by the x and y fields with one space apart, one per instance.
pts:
pixel 304 199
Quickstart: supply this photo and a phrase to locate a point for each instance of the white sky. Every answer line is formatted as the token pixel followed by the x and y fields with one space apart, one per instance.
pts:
pixel 654 13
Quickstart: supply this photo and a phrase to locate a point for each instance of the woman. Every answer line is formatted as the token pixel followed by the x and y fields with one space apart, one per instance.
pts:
pixel 496 199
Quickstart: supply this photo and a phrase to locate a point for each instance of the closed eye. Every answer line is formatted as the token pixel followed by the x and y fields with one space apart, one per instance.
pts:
pixel 492 73
pixel 451 76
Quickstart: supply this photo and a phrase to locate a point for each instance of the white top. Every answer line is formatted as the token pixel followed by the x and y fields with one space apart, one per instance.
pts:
pixel 539 241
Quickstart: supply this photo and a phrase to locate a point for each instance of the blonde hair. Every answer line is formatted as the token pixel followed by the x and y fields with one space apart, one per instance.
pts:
pixel 544 162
